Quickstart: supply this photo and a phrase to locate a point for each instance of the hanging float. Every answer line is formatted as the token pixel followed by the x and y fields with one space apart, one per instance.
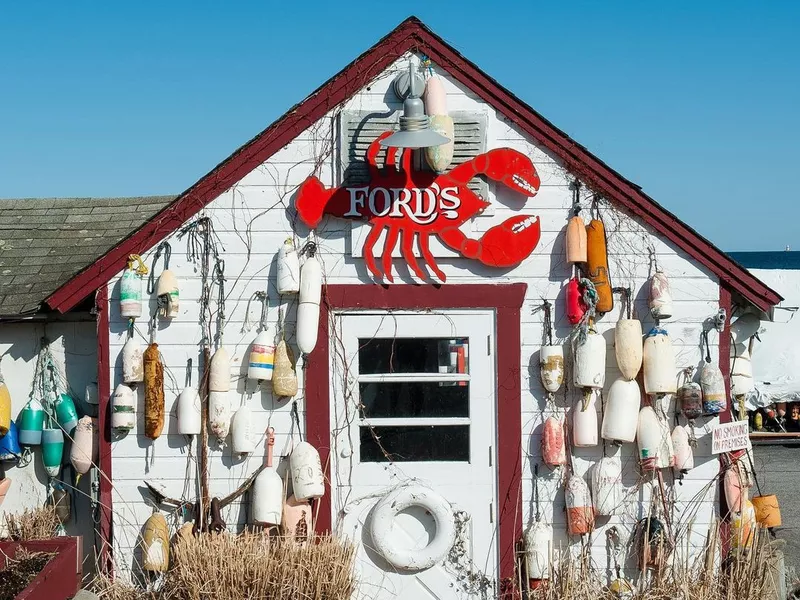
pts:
pixel 576 240
pixel 768 512
pixel 130 287
pixel 61 501
pixel 734 485
pixel 580 512
pixel 743 526
pixel 308 481
pixel 284 381
pixel 660 300
pixel 132 362
pixel 439 157
pixel 308 307
pixel 590 361
pixel 31 423
pixel 288 269
pixel 607 485
pixel 123 409
pixel 266 504
pixel 84 447
pixel 296 522
pixel 741 371
pixel 621 414
pixel 584 420
pixel 153 392
pixel 219 415
pixel 219 379
pixel 745 327
pixel 576 308
pixel 551 367
pixel 597 265
pixel 554 452
pixel 5 406
pixel 10 449
pixel 681 445
pixel 654 451
pixel 168 294
pixel 52 450
pixel 261 363
pixel 715 397
pixel 66 415
pixel 190 415
pixel 690 396
pixel 628 347
pixel 539 550
pixel 242 431
pixel 155 544
pixel 659 363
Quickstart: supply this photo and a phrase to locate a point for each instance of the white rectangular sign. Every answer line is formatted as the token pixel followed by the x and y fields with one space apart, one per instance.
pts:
pixel 727 437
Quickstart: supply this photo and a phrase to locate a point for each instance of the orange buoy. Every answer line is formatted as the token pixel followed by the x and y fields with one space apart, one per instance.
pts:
pixel 554 452
pixel 580 512
pixel 597 264
pixel 576 240
pixel 575 305
pixel 153 392
pixel 768 512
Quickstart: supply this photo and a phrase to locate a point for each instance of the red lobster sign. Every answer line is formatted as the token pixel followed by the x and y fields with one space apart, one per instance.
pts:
pixel 420 204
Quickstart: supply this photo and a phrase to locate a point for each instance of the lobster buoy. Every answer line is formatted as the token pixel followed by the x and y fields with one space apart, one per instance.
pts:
pixel 190 418
pixel 266 505
pixel 308 307
pixel 649 439
pixel 715 397
pixel 575 305
pixel 296 519
pixel 684 458
pixel 261 363
pixel 155 544
pixel 690 399
pixel 580 512
pixel 284 382
pixel 123 409
pixel 741 371
pixel 660 296
pixel 219 414
pixel 168 294
pixel 132 362
pixel 607 485
pixel 52 450
pixel 584 420
pixel 153 392
pixel 659 363
pixel 768 512
pixel 307 479
pixel 735 489
pixel 621 414
pixel 597 265
pixel 92 393
pixel 66 415
pixel 61 502
pixel 554 452
pixel 130 288
pixel 242 431
pixel 780 408
pixel 576 241
pixel 219 378
pixel 288 268
pixel 743 526
pixel 539 550
pixel 31 423
pixel 439 157
pixel 628 347
pixel 745 327
pixel 9 444
pixel 84 447
pixel 5 406
pixel 590 361
pixel 551 367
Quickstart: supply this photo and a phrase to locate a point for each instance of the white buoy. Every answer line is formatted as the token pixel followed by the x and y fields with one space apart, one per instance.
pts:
pixel 660 373
pixel 307 479
pixel 745 327
pixel 242 431
pixel 132 362
pixel 741 371
pixel 554 452
pixel 628 347
pixel 123 409
pixel 219 414
pixel 130 292
pixel 439 157
pixel 580 512
pixel 621 411
pixel 308 307
pixel 288 269
pixel 168 293
pixel 92 396
pixel 539 550
pixel 660 296
pixel 590 361
pixel 84 446
pixel 607 485
pixel 715 396
pixel 189 412
pixel 266 504
pixel 648 438
pixel 261 362
pixel 551 366
pixel 219 379
pixel 584 420
pixel 684 458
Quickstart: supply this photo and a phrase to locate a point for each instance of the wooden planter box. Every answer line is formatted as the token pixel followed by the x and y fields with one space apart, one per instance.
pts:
pixel 61 577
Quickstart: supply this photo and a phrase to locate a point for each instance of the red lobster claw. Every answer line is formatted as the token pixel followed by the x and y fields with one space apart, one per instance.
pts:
pixel 503 245
pixel 312 198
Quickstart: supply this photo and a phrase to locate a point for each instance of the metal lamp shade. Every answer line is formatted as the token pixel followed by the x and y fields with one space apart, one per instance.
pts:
pixel 415 129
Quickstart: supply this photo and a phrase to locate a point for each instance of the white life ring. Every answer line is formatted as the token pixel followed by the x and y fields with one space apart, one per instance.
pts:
pixel 383 521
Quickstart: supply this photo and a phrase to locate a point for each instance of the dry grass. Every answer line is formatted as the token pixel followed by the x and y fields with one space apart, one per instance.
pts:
pixel 21 570
pixel 248 566
pixel 33 524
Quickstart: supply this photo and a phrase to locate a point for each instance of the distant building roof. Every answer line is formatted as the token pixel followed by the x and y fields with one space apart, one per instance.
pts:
pixel 46 241
pixel 767 260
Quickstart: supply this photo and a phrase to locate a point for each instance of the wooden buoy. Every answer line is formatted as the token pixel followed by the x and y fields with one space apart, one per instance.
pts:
pixel 597 265
pixel 219 415
pixel 590 361
pixel 554 452
pixel 219 379
pixel 284 379
pixel 628 347
pixel 660 296
pixel 539 550
pixel 308 481
pixel 155 544
pixel 621 415
pixel 690 399
pixel 153 392
pixel 132 362
pixel 576 240
pixel 580 512
pixel 660 373
pixel 551 367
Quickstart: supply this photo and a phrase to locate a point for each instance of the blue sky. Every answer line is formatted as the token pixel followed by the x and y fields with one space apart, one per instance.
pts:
pixel 697 102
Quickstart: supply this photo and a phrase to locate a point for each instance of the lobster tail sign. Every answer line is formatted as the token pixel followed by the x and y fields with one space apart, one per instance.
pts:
pixel 416 204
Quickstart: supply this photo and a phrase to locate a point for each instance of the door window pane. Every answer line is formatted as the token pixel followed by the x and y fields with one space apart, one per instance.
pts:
pixel 413 355
pixel 415 443
pixel 414 399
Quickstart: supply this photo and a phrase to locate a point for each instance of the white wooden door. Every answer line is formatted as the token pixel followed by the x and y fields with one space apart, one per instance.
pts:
pixel 413 403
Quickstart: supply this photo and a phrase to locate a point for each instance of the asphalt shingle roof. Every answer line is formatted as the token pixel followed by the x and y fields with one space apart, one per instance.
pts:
pixel 46 241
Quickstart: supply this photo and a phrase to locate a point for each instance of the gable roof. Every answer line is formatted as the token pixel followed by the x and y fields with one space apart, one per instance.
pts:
pixel 413 35
pixel 44 242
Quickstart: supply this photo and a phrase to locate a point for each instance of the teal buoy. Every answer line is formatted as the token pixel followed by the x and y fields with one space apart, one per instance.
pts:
pixel 31 423
pixel 66 414
pixel 52 450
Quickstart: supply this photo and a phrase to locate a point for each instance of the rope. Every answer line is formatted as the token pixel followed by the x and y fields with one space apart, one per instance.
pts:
pixel 581 331
pixel 625 296
pixel 708 349
pixel 140 268
pixel 547 333
pixel 151 280
pixel 576 198
pixel 536 492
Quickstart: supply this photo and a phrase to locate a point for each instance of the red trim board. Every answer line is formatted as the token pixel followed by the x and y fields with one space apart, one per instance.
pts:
pixel 104 434
pixel 506 300
pixel 413 35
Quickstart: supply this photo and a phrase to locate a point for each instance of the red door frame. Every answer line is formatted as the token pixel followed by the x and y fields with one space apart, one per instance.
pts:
pixel 506 301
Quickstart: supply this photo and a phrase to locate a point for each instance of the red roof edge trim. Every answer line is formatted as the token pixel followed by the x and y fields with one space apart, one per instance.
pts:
pixel 412 34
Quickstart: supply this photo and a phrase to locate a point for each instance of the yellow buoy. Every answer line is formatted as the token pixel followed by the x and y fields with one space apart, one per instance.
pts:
pixel 153 392
pixel 155 544
pixel 284 377
pixel 5 407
